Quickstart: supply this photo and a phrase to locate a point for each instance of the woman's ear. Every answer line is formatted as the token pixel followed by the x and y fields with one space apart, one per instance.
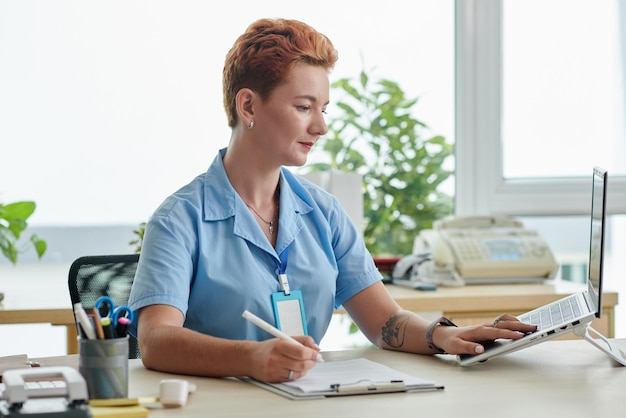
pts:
pixel 245 105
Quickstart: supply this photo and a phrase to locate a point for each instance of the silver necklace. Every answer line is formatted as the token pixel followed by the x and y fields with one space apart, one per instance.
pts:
pixel 270 224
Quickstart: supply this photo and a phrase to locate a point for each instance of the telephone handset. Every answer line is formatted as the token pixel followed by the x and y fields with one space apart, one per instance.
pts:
pixel 486 249
pixel 421 272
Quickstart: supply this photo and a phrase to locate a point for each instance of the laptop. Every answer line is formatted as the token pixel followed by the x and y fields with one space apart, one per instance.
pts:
pixel 572 313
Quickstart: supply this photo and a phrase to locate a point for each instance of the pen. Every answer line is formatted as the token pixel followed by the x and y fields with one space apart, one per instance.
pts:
pixel 107 327
pixel 83 321
pixel 121 329
pixel 273 330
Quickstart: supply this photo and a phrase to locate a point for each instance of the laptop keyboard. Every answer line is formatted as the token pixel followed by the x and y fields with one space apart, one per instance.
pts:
pixel 553 314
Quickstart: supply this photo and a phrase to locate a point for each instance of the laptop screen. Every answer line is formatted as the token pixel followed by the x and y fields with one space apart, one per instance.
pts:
pixel 596 246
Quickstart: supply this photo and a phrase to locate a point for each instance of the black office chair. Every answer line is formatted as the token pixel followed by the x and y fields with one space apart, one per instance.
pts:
pixel 104 275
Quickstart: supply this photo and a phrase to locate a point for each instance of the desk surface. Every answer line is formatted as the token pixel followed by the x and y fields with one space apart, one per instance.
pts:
pixel 569 378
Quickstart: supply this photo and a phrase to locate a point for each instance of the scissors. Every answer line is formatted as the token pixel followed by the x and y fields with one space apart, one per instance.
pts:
pixel 114 312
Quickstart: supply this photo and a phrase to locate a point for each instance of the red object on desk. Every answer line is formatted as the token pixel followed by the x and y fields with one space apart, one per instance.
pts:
pixel 385 265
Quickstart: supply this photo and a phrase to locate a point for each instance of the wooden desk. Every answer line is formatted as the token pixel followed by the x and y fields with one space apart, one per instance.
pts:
pixel 55 316
pixel 562 378
pixel 31 297
pixel 475 304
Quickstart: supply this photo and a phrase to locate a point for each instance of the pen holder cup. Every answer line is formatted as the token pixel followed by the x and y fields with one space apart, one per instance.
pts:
pixel 104 365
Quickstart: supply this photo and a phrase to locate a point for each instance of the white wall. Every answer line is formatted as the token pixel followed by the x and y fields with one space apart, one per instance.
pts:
pixel 108 107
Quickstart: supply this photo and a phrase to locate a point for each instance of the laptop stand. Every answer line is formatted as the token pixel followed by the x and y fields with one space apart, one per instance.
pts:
pixel 609 348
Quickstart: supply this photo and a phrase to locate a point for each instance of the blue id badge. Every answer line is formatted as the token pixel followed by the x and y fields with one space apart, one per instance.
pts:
pixel 289 312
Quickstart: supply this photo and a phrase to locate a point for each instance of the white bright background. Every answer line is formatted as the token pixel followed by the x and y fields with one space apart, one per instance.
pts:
pixel 108 107
pixel 563 89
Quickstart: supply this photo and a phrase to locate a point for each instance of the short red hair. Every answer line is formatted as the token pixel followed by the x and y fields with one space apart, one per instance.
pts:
pixel 264 55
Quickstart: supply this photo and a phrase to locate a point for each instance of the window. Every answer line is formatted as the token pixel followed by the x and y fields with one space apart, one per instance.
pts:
pixel 536 109
pixel 562 89
pixel 527 149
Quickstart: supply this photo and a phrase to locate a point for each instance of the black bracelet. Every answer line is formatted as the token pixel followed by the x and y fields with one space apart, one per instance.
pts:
pixel 429 333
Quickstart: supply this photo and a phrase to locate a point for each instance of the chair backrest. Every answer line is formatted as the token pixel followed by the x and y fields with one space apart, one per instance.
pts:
pixel 93 276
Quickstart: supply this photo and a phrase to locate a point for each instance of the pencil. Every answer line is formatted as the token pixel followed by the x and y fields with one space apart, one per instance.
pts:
pixel 97 323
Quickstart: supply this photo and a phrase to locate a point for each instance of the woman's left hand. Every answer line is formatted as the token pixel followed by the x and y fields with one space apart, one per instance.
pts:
pixel 470 339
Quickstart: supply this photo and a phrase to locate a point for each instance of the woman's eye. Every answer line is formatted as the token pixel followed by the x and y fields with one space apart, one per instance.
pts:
pixel 304 108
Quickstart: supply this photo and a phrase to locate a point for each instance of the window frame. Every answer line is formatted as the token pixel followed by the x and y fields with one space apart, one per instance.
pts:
pixel 480 184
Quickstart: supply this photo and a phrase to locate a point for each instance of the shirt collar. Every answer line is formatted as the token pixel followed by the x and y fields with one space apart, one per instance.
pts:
pixel 221 201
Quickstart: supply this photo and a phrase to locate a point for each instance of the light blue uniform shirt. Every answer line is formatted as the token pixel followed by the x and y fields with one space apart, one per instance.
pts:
pixel 205 254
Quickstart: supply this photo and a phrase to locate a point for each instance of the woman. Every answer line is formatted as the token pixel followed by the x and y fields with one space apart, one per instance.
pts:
pixel 250 235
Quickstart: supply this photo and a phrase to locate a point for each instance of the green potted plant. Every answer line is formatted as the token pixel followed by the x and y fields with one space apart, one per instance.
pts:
pixel 138 240
pixel 13 221
pixel 375 133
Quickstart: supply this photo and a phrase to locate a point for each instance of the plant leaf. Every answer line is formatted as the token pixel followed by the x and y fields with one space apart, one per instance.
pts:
pixel 13 221
pixel 374 131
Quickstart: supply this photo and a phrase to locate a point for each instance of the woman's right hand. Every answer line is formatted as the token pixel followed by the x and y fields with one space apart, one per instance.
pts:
pixel 276 360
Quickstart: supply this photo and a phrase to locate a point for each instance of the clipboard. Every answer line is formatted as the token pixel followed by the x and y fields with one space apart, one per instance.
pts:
pixel 346 378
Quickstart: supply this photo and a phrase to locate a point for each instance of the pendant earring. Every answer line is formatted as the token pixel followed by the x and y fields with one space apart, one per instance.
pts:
pixel 251 124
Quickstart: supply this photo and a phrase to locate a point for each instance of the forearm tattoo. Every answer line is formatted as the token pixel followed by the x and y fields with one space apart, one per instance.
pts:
pixel 394 330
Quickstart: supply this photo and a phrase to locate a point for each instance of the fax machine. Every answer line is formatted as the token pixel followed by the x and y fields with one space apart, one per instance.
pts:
pixel 478 250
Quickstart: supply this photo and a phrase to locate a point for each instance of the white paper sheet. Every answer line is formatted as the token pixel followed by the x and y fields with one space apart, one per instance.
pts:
pixel 356 372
